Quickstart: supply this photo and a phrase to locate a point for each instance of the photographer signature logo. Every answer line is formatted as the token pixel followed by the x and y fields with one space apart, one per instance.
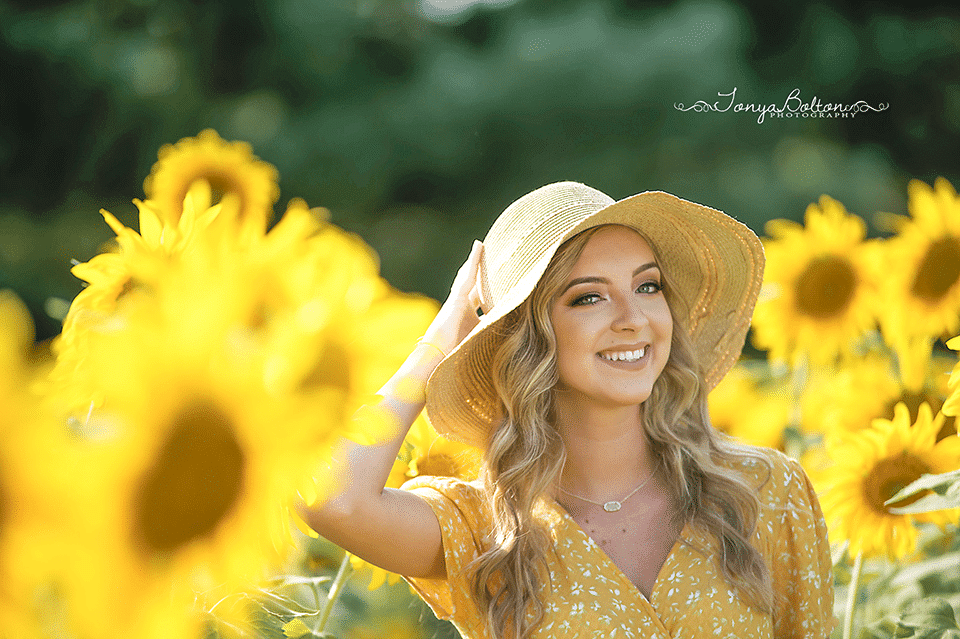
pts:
pixel 792 107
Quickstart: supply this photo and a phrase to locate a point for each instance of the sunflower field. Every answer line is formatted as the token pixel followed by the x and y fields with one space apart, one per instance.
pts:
pixel 150 462
pixel 176 373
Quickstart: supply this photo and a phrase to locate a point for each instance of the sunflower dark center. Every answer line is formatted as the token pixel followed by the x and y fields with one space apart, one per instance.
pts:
pixel 889 477
pixel 939 270
pixel 195 480
pixel 259 316
pixel 826 287
pixel 131 286
pixel 221 183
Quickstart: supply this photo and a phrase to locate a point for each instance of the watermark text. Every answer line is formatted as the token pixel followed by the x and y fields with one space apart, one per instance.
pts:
pixel 792 107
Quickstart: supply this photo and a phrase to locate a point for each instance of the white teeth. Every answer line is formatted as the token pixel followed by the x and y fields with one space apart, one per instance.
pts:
pixel 624 356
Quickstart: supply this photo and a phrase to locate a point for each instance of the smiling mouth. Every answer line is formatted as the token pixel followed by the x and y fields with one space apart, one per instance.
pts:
pixel 624 356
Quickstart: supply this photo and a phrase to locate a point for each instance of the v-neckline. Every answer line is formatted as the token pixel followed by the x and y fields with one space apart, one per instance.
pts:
pixel 615 569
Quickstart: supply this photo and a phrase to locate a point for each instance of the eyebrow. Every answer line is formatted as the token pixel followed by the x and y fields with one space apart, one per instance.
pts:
pixel 592 279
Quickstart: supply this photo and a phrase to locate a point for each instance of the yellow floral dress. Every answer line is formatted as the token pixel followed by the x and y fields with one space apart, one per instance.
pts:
pixel 591 597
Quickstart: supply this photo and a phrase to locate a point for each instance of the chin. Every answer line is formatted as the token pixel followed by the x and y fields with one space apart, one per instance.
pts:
pixel 628 400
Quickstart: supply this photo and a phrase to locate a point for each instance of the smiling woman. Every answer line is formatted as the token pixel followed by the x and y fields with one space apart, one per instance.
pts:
pixel 607 504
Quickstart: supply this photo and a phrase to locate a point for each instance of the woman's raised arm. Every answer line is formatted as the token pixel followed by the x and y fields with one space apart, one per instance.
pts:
pixel 394 529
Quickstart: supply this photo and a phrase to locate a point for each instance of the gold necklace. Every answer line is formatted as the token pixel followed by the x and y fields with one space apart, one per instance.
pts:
pixel 614 505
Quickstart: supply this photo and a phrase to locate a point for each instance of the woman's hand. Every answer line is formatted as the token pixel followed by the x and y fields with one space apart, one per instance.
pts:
pixel 458 315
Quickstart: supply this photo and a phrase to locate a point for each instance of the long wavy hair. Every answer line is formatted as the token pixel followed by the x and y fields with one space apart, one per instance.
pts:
pixel 525 455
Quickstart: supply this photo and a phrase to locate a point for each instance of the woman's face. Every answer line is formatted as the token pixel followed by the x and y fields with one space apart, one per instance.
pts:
pixel 612 323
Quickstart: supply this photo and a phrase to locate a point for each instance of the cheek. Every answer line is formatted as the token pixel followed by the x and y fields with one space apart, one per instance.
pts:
pixel 567 338
pixel 665 328
pixel 573 350
pixel 665 319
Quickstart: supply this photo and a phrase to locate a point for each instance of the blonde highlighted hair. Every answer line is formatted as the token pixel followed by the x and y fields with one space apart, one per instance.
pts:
pixel 525 454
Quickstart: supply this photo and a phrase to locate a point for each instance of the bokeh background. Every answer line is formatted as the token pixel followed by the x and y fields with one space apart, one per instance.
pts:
pixel 417 121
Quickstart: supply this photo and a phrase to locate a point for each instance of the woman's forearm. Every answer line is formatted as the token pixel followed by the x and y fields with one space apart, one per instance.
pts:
pixel 360 472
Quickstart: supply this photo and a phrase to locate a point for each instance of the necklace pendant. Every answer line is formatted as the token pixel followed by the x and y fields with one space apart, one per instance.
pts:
pixel 612 506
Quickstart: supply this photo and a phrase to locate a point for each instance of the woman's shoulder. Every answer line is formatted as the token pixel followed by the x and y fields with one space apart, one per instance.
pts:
pixel 767 469
pixel 459 504
pixel 454 488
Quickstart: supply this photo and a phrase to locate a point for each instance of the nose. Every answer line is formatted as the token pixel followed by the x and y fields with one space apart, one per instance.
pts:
pixel 630 315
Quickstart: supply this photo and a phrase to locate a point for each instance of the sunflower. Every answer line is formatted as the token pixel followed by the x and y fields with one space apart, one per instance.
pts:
pixel 924 377
pixel 922 294
pixel 431 454
pixel 749 411
pixel 818 286
pixel 849 399
pixel 323 316
pixel 190 490
pixel 869 467
pixel 232 338
pixel 118 278
pixel 231 171
pixel 34 467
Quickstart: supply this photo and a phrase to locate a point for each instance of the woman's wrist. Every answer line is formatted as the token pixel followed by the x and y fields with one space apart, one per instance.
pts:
pixel 409 384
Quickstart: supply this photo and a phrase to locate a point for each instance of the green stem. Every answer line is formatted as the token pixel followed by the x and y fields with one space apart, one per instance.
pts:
pixel 798 381
pixel 335 589
pixel 852 596
pixel 793 445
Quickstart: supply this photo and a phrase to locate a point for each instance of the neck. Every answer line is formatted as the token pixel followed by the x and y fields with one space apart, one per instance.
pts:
pixel 607 451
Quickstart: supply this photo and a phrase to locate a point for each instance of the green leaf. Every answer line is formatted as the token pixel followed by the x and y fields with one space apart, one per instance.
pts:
pixel 928 504
pixel 945 564
pixel 946 485
pixel 931 617
pixel 883 629
pixel 296 628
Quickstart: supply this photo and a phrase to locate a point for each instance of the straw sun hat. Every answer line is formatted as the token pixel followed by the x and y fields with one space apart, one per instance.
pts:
pixel 713 262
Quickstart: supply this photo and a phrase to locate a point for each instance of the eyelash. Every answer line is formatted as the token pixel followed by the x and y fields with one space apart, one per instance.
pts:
pixel 582 300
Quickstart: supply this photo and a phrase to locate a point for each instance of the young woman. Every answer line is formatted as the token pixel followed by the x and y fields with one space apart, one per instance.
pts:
pixel 608 506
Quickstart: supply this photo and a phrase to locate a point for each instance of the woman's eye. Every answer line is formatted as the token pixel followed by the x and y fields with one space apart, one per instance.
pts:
pixel 650 288
pixel 586 300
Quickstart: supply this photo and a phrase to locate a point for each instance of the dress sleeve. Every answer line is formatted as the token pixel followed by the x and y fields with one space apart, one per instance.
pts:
pixel 801 568
pixel 457 505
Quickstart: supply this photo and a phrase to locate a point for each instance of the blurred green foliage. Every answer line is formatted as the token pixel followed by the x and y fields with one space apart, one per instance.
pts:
pixel 417 121
pixel 391 611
